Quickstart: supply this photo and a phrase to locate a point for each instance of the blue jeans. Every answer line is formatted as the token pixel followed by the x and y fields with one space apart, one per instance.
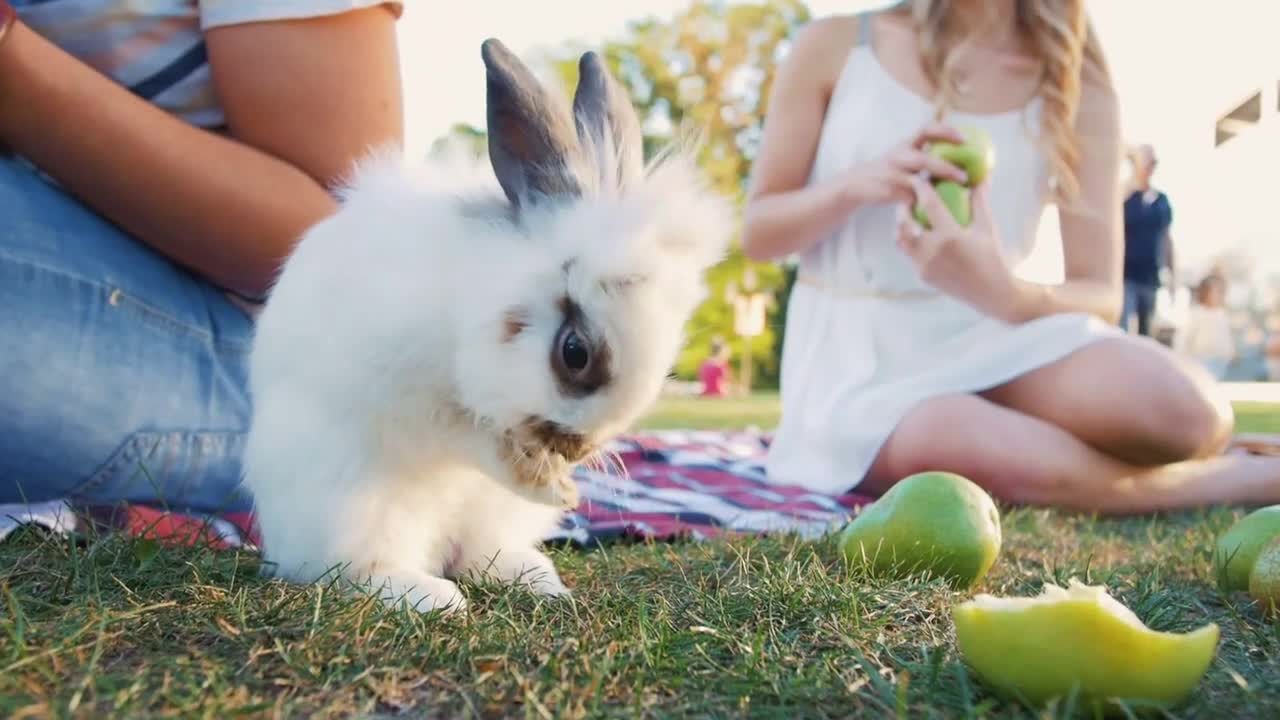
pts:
pixel 122 375
pixel 1140 300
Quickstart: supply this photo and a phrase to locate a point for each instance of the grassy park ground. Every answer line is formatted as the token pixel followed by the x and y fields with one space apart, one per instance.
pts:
pixel 750 627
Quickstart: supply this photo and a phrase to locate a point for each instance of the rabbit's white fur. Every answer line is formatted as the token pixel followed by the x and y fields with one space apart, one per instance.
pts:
pixel 382 381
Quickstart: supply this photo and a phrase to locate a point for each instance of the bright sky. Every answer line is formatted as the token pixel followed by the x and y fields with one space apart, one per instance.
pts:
pixel 1177 65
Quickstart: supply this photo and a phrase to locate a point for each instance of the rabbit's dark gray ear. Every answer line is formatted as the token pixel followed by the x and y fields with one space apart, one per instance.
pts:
pixel 531 134
pixel 606 121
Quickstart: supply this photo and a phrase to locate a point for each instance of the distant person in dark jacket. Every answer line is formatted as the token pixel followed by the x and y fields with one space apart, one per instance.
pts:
pixel 1148 246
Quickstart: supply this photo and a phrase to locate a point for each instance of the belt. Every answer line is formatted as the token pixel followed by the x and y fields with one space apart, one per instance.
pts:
pixel 870 292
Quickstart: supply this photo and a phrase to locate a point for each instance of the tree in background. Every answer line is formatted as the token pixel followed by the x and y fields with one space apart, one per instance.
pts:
pixel 710 69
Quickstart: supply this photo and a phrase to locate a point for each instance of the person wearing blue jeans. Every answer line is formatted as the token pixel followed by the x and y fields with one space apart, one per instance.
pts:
pixel 154 173
pixel 1148 247
pixel 1139 304
pixel 124 374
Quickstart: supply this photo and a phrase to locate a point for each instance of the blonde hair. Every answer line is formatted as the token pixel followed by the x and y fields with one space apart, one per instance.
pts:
pixel 1062 37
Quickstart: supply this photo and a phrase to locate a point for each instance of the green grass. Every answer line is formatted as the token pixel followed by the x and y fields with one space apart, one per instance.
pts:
pixel 762 410
pixel 1257 417
pixel 768 628
pixel 699 413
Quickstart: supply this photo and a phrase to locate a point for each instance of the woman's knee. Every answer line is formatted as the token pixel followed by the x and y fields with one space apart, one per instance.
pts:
pixel 1150 407
pixel 1190 420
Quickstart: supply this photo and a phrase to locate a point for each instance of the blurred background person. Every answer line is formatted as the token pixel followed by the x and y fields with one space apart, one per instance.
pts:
pixel 715 371
pixel 1272 349
pixel 1206 336
pixel 1148 245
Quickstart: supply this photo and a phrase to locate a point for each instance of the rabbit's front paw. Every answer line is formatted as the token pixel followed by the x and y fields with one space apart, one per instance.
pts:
pixel 567 490
pixel 420 591
pixel 553 483
pixel 561 490
pixel 521 566
pixel 542 476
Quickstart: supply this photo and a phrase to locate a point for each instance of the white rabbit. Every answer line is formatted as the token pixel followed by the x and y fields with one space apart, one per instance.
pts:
pixel 436 356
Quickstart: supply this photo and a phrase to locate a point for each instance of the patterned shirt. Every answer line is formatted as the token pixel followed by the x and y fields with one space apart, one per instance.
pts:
pixel 156 47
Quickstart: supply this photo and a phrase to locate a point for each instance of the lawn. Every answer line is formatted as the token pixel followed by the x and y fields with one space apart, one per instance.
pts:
pixel 699 413
pixel 748 628
pixel 762 411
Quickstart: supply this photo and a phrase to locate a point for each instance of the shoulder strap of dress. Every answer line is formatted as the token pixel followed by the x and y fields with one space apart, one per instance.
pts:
pixel 864 27
pixel 865 36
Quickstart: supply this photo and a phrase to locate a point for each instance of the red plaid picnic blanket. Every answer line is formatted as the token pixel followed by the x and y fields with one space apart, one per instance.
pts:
pixel 670 484
pixel 699 484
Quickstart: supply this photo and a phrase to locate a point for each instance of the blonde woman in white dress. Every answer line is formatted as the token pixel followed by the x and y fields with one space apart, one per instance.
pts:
pixel 909 350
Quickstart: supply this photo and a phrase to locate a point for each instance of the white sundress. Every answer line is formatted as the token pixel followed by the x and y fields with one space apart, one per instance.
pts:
pixel 867 339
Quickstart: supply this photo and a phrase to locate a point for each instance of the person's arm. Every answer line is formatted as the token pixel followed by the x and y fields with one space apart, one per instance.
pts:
pixel 1092 225
pixel 782 214
pixel 230 208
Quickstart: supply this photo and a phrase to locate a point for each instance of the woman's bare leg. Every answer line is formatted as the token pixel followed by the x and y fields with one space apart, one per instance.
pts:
pixel 1022 459
pixel 1130 398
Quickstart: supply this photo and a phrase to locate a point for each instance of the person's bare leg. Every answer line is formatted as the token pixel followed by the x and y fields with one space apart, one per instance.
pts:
pixel 1025 460
pixel 1129 397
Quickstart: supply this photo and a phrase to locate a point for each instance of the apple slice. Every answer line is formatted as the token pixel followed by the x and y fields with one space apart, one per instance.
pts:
pixel 1081 639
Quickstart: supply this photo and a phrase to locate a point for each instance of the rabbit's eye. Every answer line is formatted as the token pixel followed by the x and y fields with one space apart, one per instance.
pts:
pixel 579 361
pixel 573 351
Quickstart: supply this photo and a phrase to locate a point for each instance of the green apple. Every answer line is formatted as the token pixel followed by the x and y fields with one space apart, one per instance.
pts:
pixel 975 156
pixel 1264 578
pixel 1237 549
pixel 1079 639
pixel 957 199
pixel 934 522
